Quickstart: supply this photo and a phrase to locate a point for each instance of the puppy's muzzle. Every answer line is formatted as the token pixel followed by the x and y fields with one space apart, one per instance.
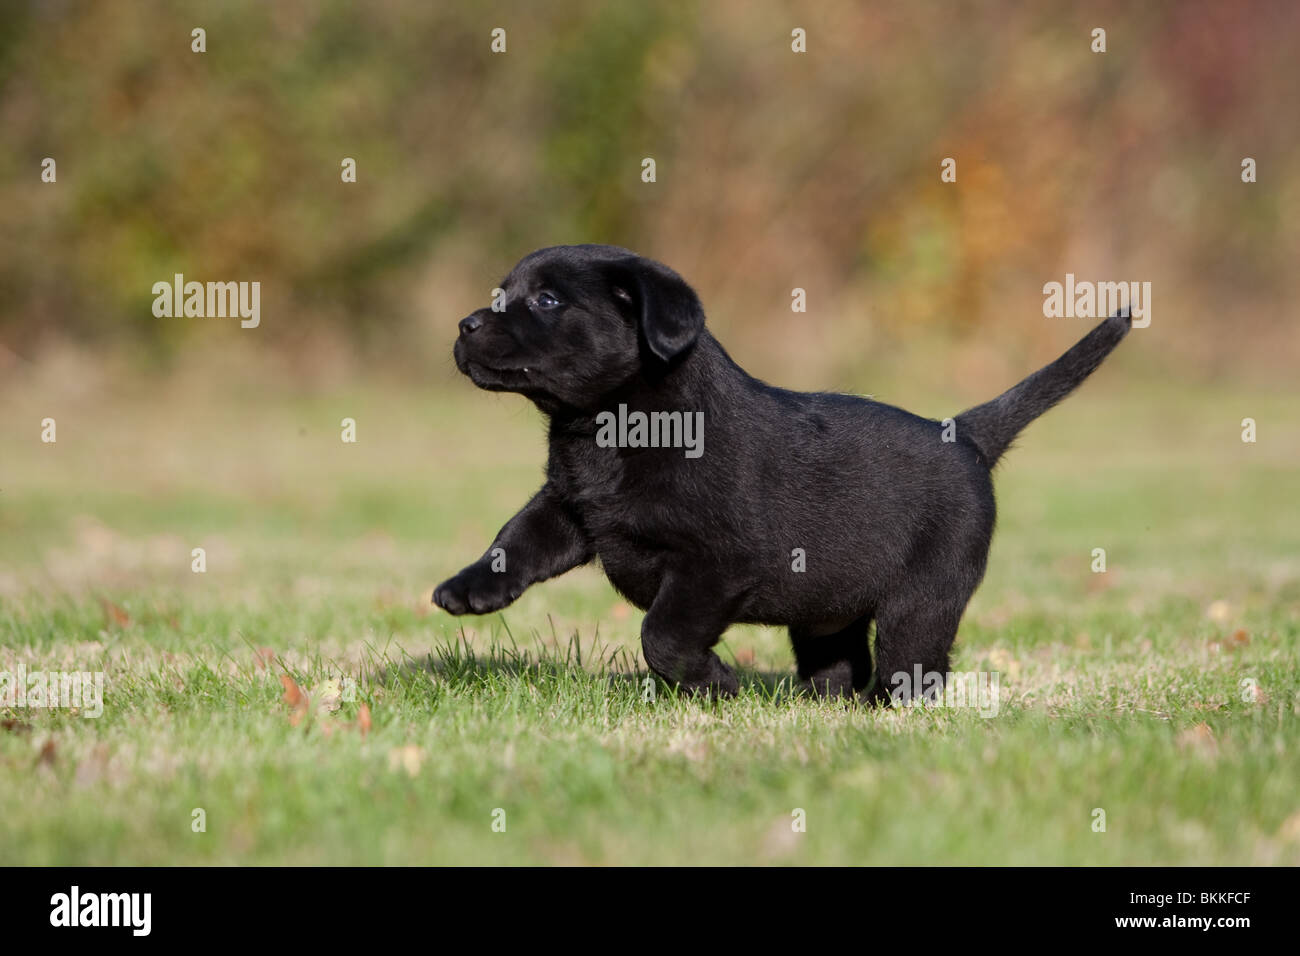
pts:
pixel 487 358
pixel 472 323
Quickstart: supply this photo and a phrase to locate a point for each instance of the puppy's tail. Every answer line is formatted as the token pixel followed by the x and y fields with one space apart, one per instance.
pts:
pixel 994 425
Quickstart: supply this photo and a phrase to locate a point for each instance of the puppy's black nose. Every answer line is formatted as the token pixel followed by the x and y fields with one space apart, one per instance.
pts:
pixel 471 323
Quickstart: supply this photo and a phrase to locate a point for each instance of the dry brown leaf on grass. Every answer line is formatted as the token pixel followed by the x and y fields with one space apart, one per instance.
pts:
pixel 328 696
pixel 1199 739
pixel 114 613
pixel 362 722
pixel 262 657
pixel 1252 693
pixel 46 756
pixel 1239 638
pixel 293 696
pixel 1102 582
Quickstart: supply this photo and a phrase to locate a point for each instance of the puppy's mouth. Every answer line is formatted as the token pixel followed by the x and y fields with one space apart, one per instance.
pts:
pixel 492 379
pixel 504 374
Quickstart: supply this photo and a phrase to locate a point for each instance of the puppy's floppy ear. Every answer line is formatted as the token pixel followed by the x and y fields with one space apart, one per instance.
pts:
pixel 668 310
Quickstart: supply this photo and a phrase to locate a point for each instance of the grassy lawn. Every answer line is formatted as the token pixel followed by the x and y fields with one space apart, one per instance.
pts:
pixel 1164 692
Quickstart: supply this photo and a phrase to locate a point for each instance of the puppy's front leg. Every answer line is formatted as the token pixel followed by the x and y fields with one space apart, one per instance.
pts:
pixel 683 623
pixel 541 541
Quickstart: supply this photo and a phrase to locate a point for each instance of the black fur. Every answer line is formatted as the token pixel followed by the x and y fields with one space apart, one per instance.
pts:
pixel 894 523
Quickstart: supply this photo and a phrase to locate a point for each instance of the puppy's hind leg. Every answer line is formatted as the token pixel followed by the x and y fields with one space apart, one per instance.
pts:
pixel 913 639
pixel 680 628
pixel 834 664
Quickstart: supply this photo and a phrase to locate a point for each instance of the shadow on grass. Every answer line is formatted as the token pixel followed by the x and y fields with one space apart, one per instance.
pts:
pixel 623 672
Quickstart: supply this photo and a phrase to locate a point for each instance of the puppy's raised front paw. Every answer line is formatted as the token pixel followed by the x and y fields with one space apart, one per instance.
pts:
pixel 476 590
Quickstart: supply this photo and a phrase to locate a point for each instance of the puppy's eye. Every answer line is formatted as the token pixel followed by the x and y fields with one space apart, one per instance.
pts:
pixel 547 301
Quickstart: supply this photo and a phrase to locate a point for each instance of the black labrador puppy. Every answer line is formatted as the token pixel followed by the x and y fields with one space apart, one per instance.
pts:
pixel 712 498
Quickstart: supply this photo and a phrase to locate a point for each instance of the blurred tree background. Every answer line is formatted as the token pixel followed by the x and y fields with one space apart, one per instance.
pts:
pixel 775 170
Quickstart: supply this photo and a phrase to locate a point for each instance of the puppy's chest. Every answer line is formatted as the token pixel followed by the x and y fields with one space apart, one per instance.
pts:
pixel 639 499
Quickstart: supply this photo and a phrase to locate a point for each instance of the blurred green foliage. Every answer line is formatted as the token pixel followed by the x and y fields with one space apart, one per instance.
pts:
pixel 774 169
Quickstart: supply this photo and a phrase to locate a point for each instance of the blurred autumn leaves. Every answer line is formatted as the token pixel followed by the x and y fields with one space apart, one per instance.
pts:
pixel 775 169
pixel 322 701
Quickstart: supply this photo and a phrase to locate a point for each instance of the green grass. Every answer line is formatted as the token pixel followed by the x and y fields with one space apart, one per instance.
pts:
pixel 1120 691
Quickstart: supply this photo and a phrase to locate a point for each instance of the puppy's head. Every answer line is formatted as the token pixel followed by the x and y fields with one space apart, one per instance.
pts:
pixel 575 323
